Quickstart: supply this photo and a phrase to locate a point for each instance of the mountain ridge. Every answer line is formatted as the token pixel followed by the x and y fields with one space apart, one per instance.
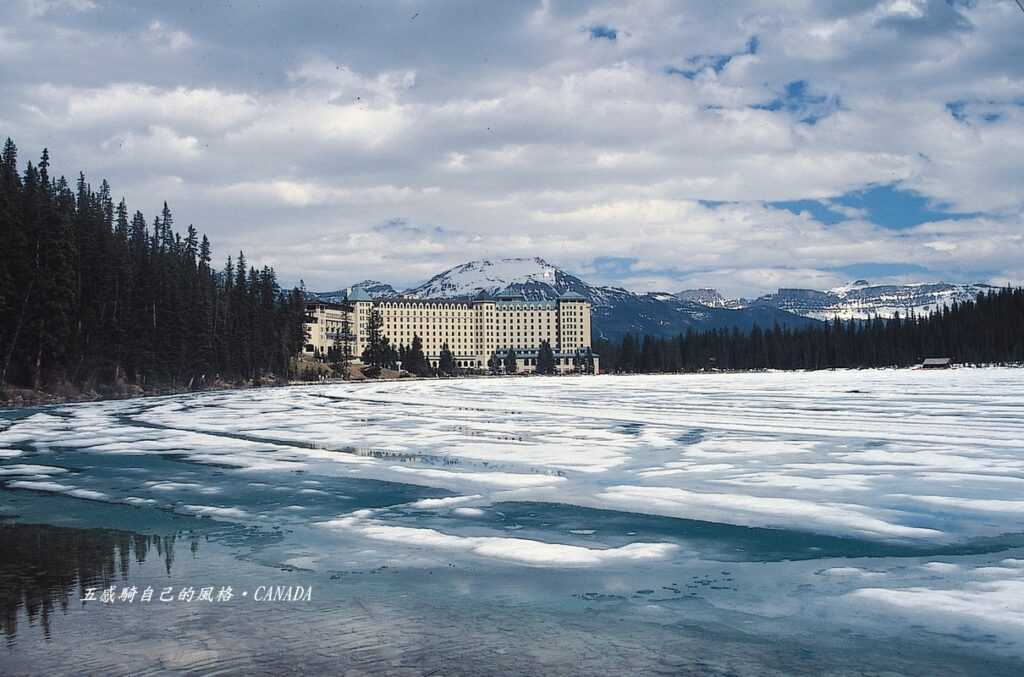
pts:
pixel 862 300
pixel 375 288
pixel 614 311
pixel 617 311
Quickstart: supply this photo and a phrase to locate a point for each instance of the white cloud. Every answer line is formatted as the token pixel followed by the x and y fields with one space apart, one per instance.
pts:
pixel 306 193
pixel 39 8
pixel 913 9
pixel 341 80
pixel 138 105
pixel 156 145
pixel 10 45
pixel 165 37
pixel 555 144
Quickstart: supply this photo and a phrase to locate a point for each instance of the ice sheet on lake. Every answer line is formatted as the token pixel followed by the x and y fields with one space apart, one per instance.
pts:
pixel 883 454
pixel 58 488
pixel 905 457
pixel 29 470
pixel 216 512
pixel 986 601
pixel 521 550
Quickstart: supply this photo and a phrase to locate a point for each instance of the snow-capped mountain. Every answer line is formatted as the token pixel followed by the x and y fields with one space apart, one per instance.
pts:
pixel 861 300
pixel 710 297
pixel 534 278
pixel 374 288
pixel 615 311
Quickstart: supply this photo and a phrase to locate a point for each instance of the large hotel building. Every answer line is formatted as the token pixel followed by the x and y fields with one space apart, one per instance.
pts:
pixel 474 330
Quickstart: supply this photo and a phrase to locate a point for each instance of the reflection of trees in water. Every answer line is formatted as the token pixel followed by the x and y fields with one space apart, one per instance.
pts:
pixel 41 566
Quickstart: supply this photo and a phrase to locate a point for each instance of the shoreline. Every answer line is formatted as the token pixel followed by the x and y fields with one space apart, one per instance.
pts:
pixel 18 398
pixel 24 398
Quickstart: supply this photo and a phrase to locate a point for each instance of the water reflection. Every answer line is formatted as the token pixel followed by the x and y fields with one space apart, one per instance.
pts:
pixel 42 566
pixel 392 621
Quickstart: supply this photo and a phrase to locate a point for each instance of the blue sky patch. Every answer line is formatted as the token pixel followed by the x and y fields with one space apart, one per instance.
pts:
pixel 887 206
pixel 956 109
pixel 714 204
pixel 602 32
pixel 977 110
pixel 896 209
pixel 816 208
pixel 716 62
pixel 613 266
pixel 796 98
pixel 398 224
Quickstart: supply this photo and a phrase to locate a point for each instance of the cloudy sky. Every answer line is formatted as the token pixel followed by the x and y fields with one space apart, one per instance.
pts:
pixel 656 145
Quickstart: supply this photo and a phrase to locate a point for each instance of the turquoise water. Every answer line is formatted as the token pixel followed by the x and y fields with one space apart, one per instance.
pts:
pixel 402 608
pixel 454 619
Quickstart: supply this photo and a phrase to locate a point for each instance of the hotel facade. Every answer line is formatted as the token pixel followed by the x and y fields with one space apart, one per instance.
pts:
pixel 474 330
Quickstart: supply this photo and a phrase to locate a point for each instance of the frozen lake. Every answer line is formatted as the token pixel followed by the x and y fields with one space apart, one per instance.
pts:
pixel 777 523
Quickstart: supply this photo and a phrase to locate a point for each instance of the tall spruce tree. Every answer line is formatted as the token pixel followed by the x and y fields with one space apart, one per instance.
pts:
pixel 545 359
pixel 339 363
pixel 92 298
pixel 343 342
pixel 588 361
pixel 416 361
pixel 375 353
pixel 511 361
pixel 987 330
pixel 389 354
pixel 446 361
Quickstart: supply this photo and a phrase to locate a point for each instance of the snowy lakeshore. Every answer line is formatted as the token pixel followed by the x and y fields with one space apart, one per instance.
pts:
pixel 819 511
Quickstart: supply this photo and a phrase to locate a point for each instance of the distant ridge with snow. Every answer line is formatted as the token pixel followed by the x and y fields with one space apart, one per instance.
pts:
pixel 861 300
pixel 617 311
pixel 710 297
pixel 534 278
pixel 375 289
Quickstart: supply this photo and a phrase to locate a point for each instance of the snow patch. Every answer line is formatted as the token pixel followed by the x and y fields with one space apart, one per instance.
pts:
pixel 517 550
pixel 216 512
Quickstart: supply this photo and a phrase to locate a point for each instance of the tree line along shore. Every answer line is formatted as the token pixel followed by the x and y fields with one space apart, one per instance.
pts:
pixel 97 301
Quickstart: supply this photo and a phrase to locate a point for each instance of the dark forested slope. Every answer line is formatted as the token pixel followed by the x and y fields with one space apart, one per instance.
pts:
pixel 95 297
pixel 987 330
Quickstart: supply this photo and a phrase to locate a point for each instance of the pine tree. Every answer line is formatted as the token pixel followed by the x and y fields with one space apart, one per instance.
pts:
pixel 416 361
pixel 588 361
pixel 56 295
pixel 648 356
pixel 16 277
pixel 511 363
pixel 545 359
pixel 986 330
pixel 375 353
pixel 389 355
pixel 339 357
pixel 446 361
pixel 343 342
pixel 627 355
pixel 92 298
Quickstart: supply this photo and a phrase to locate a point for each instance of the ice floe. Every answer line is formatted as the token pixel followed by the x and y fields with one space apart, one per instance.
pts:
pixel 921 460
pixel 518 550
